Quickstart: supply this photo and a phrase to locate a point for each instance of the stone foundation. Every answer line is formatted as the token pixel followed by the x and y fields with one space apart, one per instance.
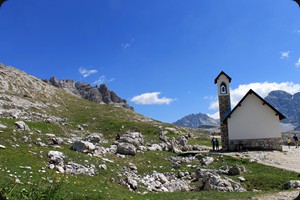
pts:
pixel 256 144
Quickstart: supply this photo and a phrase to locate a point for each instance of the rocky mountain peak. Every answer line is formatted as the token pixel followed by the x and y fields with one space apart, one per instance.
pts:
pixel 100 95
pixel 287 104
pixel 199 120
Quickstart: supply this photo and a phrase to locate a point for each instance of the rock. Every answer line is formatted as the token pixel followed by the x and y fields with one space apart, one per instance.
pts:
pixel 103 166
pixel 241 179
pixel 75 168
pixel 3 126
pixel 25 138
pixel 160 177
pixel 132 183
pixel 155 147
pixel 94 138
pixel 134 138
pixel 83 146
pixel 60 169
pixel 177 186
pixel 210 180
pixel 2 146
pixel 22 125
pixel 291 184
pixel 207 160
pixel 56 157
pixel 25 167
pixel 57 141
pixel 126 149
pixel 236 170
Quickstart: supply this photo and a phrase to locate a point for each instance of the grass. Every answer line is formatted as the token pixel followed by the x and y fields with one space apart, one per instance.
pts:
pixel 108 120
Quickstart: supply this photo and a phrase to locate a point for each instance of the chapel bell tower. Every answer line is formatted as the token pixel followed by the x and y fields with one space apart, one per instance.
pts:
pixel 222 82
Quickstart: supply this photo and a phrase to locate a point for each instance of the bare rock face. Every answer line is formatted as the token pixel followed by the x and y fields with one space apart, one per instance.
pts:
pixel 100 95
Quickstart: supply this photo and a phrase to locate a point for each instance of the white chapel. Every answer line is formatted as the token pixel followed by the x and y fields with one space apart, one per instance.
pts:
pixel 252 124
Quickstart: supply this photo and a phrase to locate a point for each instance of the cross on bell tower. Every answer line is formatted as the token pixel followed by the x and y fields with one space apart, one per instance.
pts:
pixel 222 82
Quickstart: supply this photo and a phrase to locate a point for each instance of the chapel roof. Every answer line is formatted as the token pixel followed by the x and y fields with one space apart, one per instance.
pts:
pixel 264 102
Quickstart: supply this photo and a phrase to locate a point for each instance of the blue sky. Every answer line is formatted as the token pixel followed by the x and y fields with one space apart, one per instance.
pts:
pixel 162 56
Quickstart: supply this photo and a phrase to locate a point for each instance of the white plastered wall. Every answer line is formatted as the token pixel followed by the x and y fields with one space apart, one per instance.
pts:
pixel 253 120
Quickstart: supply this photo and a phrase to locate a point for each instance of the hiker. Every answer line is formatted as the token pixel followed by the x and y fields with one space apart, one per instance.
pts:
pixel 295 138
pixel 217 144
pixel 289 141
pixel 213 141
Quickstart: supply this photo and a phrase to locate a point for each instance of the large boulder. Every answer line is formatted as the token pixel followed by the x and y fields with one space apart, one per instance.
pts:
pixel 236 170
pixel 94 138
pixel 126 149
pixel 210 180
pixel 22 125
pixel 135 138
pixel 83 146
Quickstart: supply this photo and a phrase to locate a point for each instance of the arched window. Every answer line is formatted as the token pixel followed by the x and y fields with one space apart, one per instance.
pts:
pixel 223 88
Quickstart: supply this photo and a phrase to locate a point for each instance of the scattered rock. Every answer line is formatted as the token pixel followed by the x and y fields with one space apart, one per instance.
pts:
pixel 291 184
pixel 103 166
pixel 3 126
pixel 94 138
pixel 75 168
pixel 56 158
pixel 83 146
pixel 207 160
pixel 22 125
pixel 236 170
pixel 2 146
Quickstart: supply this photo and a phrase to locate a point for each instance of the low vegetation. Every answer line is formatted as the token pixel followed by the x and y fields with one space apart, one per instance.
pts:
pixel 25 175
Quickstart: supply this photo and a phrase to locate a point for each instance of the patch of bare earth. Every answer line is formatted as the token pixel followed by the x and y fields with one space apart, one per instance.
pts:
pixel 287 159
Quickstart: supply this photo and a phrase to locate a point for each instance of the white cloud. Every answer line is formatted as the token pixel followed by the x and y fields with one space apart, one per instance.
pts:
pixel 261 89
pixel 125 46
pixel 85 73
pixel 150 99
pixel 284 54
pixel 215 115
pixel 102 80
pixel 298 63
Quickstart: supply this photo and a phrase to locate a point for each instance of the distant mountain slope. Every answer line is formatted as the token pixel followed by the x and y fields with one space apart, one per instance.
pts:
pixel 197 121
pixel 287 104
pixel 101 95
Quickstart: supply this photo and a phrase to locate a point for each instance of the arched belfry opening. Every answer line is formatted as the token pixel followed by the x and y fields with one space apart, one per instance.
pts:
pixel 223 88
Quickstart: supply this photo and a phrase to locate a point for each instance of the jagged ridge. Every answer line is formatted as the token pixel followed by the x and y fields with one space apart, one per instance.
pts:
pixel 100 95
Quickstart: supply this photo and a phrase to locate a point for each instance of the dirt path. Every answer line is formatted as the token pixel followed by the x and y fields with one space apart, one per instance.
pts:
pixel 288 159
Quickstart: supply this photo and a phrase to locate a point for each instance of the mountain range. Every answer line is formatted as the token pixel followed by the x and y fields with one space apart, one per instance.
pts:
pixel 199 120
pixel 286 103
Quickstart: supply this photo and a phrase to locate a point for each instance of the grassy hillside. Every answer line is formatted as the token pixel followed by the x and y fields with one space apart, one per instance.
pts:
pixel 24 164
